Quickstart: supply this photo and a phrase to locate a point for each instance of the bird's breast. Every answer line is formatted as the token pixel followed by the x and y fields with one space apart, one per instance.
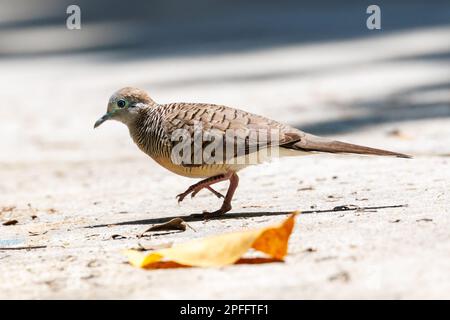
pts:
pixel 198 171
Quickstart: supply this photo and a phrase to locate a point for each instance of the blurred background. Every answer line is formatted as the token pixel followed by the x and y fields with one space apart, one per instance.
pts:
pixel 312 64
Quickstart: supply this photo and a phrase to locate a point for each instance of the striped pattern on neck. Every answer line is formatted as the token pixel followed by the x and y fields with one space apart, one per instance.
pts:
pixel 148 132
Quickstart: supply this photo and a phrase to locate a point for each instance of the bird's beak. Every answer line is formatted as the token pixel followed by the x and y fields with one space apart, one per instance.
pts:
pixel 105 117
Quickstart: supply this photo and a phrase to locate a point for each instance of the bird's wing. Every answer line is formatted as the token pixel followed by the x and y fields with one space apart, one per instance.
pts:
pixel 230 132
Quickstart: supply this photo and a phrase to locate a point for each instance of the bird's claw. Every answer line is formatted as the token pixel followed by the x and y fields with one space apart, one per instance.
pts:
pixel 180 197
pixel 211 215
pixel 194 191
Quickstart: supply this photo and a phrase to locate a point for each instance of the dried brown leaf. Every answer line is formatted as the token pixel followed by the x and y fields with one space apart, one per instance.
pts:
pixel 10 222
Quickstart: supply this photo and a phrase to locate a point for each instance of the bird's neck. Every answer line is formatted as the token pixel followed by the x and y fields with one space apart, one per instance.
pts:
pixel 146 129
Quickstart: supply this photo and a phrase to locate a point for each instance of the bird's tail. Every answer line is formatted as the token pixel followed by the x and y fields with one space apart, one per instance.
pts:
pixel 317 144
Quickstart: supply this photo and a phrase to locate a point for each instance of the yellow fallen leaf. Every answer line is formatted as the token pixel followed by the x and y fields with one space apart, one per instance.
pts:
pixel 220 250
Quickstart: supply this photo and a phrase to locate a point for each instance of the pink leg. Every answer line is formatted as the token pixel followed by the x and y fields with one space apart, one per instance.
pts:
pixel 216 193
pixel 226 205
pixel 206 183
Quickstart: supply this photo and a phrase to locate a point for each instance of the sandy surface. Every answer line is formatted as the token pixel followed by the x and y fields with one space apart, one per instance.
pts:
pixel 72 188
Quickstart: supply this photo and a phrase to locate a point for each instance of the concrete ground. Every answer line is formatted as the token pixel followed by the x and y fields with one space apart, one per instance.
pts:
pixel 82 196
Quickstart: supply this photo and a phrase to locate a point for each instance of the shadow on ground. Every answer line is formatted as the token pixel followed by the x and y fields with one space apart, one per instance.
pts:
pixel 244 215
pixel 431 101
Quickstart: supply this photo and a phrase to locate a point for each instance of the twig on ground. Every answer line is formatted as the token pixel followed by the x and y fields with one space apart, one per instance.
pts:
pixel 22 248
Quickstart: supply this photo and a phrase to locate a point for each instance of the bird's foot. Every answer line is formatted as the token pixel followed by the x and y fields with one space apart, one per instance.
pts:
pixel 208 215
pixel 194 189
pixel 180 197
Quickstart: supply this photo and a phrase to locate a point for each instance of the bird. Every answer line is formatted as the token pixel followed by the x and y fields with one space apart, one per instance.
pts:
pixel 238 135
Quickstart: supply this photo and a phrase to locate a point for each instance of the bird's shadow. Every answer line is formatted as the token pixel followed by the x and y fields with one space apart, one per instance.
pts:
pixel 243 215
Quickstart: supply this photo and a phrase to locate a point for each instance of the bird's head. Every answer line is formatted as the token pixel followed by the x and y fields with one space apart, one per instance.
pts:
pixel 124 105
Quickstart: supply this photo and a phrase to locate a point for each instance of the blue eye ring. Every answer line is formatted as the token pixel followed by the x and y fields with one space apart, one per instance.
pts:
pixel 121 103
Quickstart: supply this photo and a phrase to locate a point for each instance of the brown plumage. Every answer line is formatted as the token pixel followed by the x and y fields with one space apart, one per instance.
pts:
pixel 153 128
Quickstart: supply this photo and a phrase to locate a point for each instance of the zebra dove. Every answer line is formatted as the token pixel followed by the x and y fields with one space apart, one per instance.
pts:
pixel 153 127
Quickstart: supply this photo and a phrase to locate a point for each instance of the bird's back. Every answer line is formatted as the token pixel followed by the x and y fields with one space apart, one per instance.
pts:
pixel 158 129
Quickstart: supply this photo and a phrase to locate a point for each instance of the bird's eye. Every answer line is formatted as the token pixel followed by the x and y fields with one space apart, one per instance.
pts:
pixel 121 103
